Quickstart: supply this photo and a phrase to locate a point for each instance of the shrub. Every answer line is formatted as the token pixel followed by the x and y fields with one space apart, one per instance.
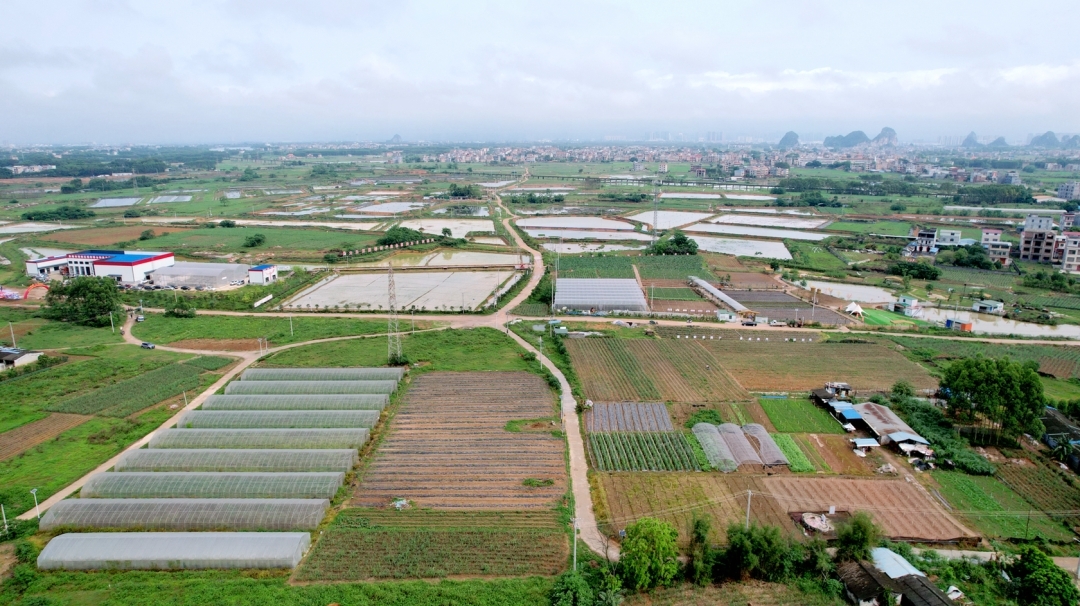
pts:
pixel 649 554
pixel 254 240
pixel 571 589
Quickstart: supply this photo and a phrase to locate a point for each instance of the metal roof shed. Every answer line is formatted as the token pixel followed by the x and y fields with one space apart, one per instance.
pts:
pixel 892 564
pixel 882 420
pixel 599 294
pixel 174 550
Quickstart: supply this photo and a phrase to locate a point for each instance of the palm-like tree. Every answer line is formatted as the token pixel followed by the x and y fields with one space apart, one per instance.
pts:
pixel 1063 450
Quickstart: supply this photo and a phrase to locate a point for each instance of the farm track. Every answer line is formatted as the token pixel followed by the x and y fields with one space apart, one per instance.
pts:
pixel 447 447
pixel 25 437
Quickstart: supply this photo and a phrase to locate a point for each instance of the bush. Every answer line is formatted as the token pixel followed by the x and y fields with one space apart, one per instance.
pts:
pixel 708 415
pixel 1037 581
pixel 181 307
pixel 759 552
pixel 58 214
pixel 227 223
pixel 147 234
pixel 916 270
pixel 649 554
pixel 856 537
pixel 399 235
pixel 571 589
pixel 254 240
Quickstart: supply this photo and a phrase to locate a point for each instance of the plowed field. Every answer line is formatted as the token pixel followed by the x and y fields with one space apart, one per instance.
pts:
pixel 447 447
pixel 838 455
pixel 676 497
pixel 1044 488
pixel 24 438
pixel 903 510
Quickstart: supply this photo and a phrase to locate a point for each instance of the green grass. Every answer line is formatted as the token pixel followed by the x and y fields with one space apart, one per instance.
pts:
pixel 455 350
pixel 232 240
pixel 799 416
pixel 1059 389
pixel 159 329
pixel 35 332
pixel 813 255
pixel 210 362
pixel 672 294
pixel 977 277
pixel 56 463
pixel 799 462
pixel 887 228
pixel 247 588
pixel 994 509
pixel 134 394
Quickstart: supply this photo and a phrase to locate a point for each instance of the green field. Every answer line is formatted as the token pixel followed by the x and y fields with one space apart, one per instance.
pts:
pixel 159 329
pixel 813 255
pixel 885 228
pixel 796 457
pixel 277 238
pixel 977 277
pixel 995 510
pixel 35 332
pixel 799 416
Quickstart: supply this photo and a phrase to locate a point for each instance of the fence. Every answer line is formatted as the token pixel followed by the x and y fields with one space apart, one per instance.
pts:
pixel 361 251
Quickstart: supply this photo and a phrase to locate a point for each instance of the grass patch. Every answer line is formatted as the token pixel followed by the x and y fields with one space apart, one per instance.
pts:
pixel 210 362
pixel 232 240
pixel 130 396
pixel 159 329
pixel 995 510
pixel 799 462
pixel 799 416
pixel 885 228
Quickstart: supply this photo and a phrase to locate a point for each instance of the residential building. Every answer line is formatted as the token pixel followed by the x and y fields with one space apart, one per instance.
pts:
pixel 1070 256
pixel 1069 191
pixel 1068 220
pixel 925 242
pixel 948 237
pixel 909 306
pixel 13 357
pixel 996 249
pixel 1038 245
pixel 1012 178
pixel 662 168
pixel 1038 222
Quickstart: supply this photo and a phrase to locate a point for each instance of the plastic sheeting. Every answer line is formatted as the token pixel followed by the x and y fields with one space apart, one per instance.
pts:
pixel 212 485
pixel 717 294
pixel 178 459
pixel 322 374
pixel 600 294
pixel 310 387
pixel 259 438
pixel 187 514
pixel 740 447
pixel 297 402
pixel 277 419
pixel 768 450
pixel 174 550
pixel 716 449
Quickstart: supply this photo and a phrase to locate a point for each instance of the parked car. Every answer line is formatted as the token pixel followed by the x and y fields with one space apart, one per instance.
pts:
pixel 140 318
pixel 148 346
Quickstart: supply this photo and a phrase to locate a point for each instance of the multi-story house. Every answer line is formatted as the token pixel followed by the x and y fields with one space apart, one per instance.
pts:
pixel 996 249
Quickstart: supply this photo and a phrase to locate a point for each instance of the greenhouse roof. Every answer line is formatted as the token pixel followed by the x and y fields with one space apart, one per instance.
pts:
pixel 322 374
pixel 278 460
pixel 187 514
pixel 297 402
pixel 310 387
pixel 259 438
pixel 767 448
pixel 277 419
pixel 600 294
pixel 716 449
pixel 740 447
pixel 217 485
pixel 174 550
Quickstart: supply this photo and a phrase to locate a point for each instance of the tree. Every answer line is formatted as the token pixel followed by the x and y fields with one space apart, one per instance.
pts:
pixel 181 307
pixel 1008 394
pixel 399 235
pixel 649 554
pixel 85 300
pixel 759 552
pixel 1037 581
pixel 147 234
pixel 678 244
pixel 699 567
pixel 856 537
pixel 446 232
pixel 227 223
pixel 571 589
pixel 249 174
pixel 254 240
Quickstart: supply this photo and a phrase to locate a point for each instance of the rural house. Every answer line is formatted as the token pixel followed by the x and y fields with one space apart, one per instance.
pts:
pixel 11 357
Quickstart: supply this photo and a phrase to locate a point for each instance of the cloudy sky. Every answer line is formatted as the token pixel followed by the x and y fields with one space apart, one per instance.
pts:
pixel 133 71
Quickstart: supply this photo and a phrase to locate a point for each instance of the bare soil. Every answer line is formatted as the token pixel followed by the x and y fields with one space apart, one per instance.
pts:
pixel 23 438
pixel 218 344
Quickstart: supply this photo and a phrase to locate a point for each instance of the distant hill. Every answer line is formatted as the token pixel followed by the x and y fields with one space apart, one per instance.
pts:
pixel 1047 139
pixel 971 141
pixel 849 140
pixel 790 140
pixel 887 136
pixel 999 142
pixel 1072 142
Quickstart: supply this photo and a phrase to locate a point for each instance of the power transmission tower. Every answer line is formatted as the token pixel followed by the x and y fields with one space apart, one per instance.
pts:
pixel 393 337
pixel 655 210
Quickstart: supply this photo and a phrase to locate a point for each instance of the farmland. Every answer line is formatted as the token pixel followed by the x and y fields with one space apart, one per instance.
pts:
pixel 902 510
pixel 447 447
pixel 132 395
pixel 642 451
pixel 26 437
pixel 628 417
pixel 995 509
pixel 799 416
pixel 362 544
pixel 676 268
pixel 279 331
pixel 1044 487
pixel 940 351
pixel 795 456
pixel 978 277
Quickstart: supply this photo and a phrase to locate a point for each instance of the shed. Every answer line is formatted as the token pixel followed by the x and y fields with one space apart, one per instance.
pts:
pixel 864 584
pixel 988 307
pixel 208 275
pixel 882 421
pixel 900 437
pixel 599 294
pixel 865 443
pixel 917 590
pixel 13 357
pixel 892 564
pixel 262 274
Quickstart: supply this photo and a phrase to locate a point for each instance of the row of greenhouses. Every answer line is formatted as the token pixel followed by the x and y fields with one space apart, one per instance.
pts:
pixel 727 447
pixel 265 458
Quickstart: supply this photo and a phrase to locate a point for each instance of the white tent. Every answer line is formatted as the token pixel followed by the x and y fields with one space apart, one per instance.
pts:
pixel 854 309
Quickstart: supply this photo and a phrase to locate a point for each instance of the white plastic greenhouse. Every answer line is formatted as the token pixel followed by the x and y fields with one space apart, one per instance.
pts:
pixel 322 374
pixel 310 387
pixel 277 419
pixel 278 460
pixel 186 514
pixel 599 294
pixel 716 449
pixel 259 438
pixel 767 448
pixel 174 550
pixel 298 402
pixel 212 485
pixel 740 447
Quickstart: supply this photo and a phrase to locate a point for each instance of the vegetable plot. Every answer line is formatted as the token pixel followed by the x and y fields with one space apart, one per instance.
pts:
pixel 132 395
pixel 642 451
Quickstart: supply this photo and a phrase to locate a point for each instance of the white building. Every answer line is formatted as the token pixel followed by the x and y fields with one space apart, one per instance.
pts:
pixel 129 267
pixel 11 357
pixel 1069 191
pixel 948 237
pixel 263 274
pixel 1038 223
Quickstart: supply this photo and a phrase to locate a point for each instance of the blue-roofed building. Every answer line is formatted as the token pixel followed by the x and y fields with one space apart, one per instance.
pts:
pixel 263 274
pixel 125 266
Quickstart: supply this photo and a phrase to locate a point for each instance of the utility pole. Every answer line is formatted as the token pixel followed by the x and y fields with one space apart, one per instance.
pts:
pixel 37 509
pixel 540 358
pixel 290 326
pixel 111 325
pixel 655 210
pixel 4 513
pixel 12 329
pixel 749 494
pixel 574 520
pixel 393 339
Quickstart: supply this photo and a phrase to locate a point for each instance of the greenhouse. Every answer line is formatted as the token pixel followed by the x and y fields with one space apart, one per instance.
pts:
pixel 599 294
pixel 259 438
pixel 177 459
pixel 186 514
pixel 277 419
pixel 298 402
pixel 322 374
pixel 174 550
pixel 212 485
pixel 767 448
pixel 740 447
pixel 716 450
pixel 310 387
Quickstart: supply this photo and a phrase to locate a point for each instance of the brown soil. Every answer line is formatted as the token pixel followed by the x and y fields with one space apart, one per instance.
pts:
pixel 7 559
pixel 24 438
pixel 218 344
pixel 839 455
pixel 104 236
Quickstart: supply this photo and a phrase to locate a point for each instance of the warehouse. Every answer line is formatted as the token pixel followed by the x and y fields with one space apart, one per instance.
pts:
pixel 599 294
pixel 129 267
pixel 207 275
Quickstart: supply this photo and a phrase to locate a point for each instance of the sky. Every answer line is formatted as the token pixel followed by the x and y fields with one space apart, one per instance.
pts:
pixel 233 71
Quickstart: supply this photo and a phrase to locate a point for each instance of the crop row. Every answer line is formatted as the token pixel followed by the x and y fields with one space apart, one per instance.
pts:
pixel 1059 302
pixel 132 395
pixel 642 451
pixel 797 460
pixel 633 371
pixel 929 349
